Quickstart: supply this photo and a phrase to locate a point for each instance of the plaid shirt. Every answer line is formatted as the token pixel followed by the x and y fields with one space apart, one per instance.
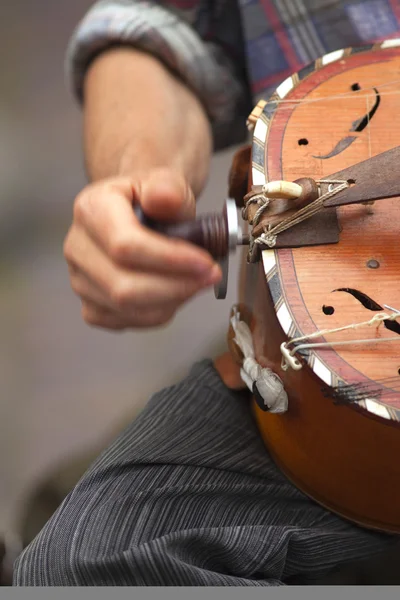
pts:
pixel 230 52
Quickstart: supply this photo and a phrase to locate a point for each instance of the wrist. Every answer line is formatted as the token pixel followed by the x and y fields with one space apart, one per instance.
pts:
pixel 139 117
pixel 140 158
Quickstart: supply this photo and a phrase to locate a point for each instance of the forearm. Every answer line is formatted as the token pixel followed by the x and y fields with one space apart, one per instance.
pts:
pixel 138 116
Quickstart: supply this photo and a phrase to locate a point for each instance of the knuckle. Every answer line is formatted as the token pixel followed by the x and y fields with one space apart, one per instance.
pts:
pixel 123 294
pixel 75 284
pixel 95 319
pixel 68 248
pixel 81 206
pixel 87 199
pixel 89 315
pixel 121 249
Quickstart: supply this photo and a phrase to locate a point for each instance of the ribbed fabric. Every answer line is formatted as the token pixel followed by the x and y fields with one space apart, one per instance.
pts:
pixel 187 495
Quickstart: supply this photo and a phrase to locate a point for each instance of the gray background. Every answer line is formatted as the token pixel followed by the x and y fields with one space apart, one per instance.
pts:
pixel 66 388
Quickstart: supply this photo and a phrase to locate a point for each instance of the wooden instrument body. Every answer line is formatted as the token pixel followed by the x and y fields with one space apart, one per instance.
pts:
pixel 343 455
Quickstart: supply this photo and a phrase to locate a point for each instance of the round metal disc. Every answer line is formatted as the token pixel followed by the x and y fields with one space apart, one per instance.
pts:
pixel 221 288
pixel 233 223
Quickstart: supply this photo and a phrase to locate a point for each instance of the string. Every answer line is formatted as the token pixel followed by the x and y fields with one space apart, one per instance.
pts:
pixel 288 355
pixel 357 391
pixel 269 237
pixel 386 380
pixel 347 343
pixel 254 198
pixel 361 94
pixel 345 95
pixel 369 128
pixel 365 93
pixel 376 319
pixel 363 387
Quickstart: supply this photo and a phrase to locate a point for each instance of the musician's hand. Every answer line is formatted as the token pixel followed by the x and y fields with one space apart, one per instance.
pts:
pixel 126 275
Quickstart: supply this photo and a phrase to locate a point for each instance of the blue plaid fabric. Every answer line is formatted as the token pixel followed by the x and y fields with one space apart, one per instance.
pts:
pixel 230 52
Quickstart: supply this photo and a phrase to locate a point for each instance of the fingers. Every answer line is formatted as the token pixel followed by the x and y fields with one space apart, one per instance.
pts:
pixel 97 278
pixel 168 197
pixel 97 316
pixel 126 275
pixel 87 290
pixel 106 214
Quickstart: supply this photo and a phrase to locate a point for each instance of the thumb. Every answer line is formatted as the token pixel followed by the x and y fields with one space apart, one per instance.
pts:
pixel 166 195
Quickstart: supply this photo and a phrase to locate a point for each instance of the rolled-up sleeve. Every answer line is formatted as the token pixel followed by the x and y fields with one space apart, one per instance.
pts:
pixel 201 43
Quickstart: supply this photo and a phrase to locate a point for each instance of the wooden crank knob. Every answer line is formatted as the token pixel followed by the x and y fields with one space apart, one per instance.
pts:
pixel 218 233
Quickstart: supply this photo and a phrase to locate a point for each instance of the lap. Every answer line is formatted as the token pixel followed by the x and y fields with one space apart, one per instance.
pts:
pixel 188 495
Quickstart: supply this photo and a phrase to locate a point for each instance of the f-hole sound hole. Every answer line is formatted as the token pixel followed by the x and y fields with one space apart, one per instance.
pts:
pixel 303 142
pixel 328 310
pixel 356 87
pixel 365 300
pixel 392 326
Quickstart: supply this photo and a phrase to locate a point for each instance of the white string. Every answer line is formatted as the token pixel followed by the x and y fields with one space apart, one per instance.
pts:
pixel 255 198
pixel 376 319
pixel 345 95
pixel 347 343
pixel 269 236
pixel 288 355
pixel 369 128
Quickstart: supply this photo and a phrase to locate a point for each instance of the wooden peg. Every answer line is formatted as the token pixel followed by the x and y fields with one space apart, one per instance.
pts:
pixel 310 191
pixel 289 198
pixel 301 191
pixel 285 190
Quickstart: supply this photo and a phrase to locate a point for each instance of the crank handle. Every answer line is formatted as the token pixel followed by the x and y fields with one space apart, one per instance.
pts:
pixel 217 233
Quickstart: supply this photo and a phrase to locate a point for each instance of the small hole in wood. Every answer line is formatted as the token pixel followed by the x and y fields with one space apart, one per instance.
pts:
pixel 351 182
pixel 355 87
pixel 303 142
pixel 398 371
pixel 328 310
pixel 373 264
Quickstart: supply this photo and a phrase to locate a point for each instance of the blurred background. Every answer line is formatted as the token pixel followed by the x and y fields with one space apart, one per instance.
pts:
pixel 66 389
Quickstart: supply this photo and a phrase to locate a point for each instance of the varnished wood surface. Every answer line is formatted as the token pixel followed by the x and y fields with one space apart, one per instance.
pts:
pixel 342 456
pixel 367 232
